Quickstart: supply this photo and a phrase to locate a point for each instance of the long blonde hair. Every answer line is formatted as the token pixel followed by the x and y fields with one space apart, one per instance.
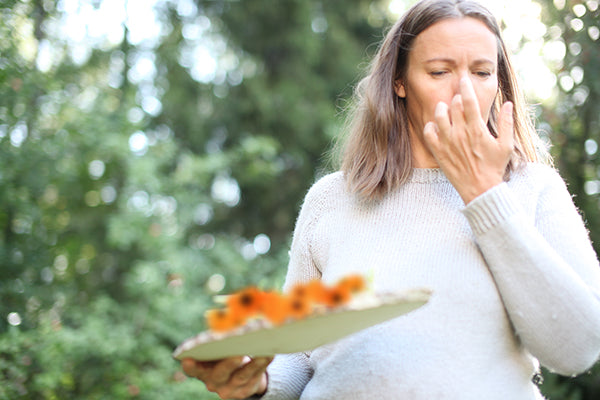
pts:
pixel 376 155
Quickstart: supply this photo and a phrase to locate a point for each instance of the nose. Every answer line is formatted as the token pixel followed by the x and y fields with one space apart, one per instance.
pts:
pixel 456 82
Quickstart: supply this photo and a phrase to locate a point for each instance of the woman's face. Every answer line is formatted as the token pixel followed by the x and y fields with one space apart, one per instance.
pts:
pixel 441 55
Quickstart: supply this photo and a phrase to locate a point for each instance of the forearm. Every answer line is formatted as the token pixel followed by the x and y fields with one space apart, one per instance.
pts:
pixel 554 309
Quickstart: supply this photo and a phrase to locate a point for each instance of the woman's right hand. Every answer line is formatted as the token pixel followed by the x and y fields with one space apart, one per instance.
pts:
pixel 231 378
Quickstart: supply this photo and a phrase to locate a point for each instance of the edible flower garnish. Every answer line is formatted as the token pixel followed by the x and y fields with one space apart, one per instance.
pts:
pixel 302 300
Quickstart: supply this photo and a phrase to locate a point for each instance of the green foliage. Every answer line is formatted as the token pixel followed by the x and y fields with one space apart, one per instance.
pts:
pixel 574 121
pixel 131 194
pixel 573 125
pixel 136 183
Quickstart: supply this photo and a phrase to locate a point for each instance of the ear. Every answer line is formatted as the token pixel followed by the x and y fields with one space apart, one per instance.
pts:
pixel 399 88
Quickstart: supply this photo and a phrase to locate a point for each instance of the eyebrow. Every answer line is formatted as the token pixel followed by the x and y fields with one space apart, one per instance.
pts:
pixel 478 61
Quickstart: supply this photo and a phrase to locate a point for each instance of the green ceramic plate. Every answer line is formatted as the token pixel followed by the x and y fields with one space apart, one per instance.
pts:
pixel 259 338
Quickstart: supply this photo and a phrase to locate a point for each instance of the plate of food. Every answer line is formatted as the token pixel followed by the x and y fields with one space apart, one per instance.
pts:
pixel 298 326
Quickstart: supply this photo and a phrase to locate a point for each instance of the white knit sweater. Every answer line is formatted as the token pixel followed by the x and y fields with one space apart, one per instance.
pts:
pixel 514 280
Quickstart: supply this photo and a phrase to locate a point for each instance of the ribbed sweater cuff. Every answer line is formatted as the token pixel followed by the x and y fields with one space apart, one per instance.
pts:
pixel 289 387
pixel 286 380
pixel 491 208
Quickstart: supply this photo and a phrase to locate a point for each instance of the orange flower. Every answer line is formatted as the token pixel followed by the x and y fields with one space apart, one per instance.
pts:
pixel 316 291
pixel 275 307
pixel 245 303
pixel 354 283
pixel 221 320
pixel 337 296
pixel 299 290
pixel 299 306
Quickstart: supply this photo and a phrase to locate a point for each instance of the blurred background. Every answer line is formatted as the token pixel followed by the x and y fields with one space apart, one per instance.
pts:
pixel 154 153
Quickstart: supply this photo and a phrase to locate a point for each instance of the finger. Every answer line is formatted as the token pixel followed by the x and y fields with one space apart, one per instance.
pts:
pixel 251 371
pixel 457 113
pixel 197 369
pixel 189 367
pixel 442 119
pixel 222 371
pixel 431 136
pixel 469 101
pixel 506 125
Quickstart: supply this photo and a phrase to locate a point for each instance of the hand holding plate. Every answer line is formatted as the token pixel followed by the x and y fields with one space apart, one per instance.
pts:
pixel 230 378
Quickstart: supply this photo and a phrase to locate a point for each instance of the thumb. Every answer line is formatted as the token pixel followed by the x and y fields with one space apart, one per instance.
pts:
pixel 430 135
pixel 506 125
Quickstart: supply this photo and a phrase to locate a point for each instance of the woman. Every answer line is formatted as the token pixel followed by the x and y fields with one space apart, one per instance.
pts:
pixel 441 186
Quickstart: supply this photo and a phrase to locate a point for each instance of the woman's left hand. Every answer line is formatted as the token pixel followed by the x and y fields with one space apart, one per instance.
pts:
pixel 472 159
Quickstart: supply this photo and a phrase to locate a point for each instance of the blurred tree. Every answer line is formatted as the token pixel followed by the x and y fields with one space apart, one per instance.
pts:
pixel 144 169
pixel 269 111
pixel 573 124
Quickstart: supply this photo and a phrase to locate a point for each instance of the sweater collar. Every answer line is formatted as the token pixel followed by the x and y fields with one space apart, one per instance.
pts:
pixel 427 175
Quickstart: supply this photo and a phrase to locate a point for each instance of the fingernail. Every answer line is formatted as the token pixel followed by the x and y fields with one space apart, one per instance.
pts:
pixel 440 108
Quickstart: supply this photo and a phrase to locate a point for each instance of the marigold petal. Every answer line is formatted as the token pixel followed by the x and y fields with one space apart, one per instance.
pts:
pixel 299 307
pixel 245 303
pixel 337 296
pixel 275 307
pixel 316 291
pixel 354 283
pixel 221 320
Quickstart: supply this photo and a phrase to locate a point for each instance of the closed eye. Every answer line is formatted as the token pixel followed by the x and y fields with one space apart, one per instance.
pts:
pixel 483 74
pixel 437 73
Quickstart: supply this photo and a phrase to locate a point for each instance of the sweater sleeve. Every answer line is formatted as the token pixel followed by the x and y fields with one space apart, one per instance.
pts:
pixel 546 272
pixel 288 374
